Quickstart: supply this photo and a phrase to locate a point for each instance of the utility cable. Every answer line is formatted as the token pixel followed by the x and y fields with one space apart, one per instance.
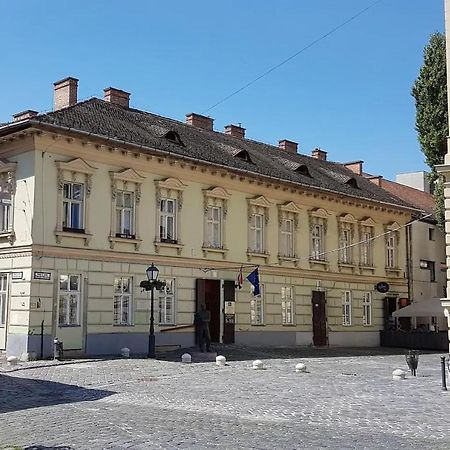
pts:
pixel 282 63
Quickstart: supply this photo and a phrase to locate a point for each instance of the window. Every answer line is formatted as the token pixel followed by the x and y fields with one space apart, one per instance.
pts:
pixel 257 308
pixel 431 234
pixel 5 215
pixel 431 266
pixel 366 247
pixel 391 251
pixel 214 226
pixel 122 300
pixel 73 206
pixel 124 214
pixel 345 252
pixel 167 220
pixel 3 298
pixel 367 308
pixel 69 299
pixel 257 233
pixel 287 238
pixel 347 308
pixel 317 242
pixel 167 303
pixel 287 306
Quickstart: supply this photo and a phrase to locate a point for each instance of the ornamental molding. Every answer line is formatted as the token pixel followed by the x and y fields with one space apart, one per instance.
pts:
pixel 368 222
pixel 127 175
pixel 260 201
pixel 319 212
pixel 76 165
pixel 217 192
pixel 171 184
pixel 347 218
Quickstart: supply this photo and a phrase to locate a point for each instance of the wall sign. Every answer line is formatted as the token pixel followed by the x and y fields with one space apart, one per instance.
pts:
pixel 382 287
pixel 42 276
pixel 17 275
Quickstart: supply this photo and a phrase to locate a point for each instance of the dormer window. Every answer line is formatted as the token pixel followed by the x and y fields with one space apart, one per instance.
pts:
pixel 236 152
pixel 353 183
pixel 174 137
pixel 302 169
pixel 243 154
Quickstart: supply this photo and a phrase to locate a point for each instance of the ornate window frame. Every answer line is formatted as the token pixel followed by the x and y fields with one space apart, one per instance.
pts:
pixel 8 187
pixel 76 170
pixel 366 226
pixel 288 211
pixel 318 216
pixel 125 180
pixel 392 236
pixel 258 205
pixel 346 223
pixel 218 197
pixel 169 188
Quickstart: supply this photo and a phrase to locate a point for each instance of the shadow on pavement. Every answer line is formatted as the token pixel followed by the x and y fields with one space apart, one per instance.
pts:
pixel 247 353
pixel 24 393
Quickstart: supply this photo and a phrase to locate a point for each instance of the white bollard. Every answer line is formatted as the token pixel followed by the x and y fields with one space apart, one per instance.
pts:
pixel 125 352
pixel 186 358
pixel 221 360
pixel 300 367
pixel 258 365
pixel 398 374
pixel 12 360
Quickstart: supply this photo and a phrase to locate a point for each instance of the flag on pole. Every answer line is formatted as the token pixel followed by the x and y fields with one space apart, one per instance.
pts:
pixel 253 278
pixel 240 279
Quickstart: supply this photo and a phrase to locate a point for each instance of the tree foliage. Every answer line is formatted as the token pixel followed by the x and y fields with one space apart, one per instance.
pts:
pixel 430 93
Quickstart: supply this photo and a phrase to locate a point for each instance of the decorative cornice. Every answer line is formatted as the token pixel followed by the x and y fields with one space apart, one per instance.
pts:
pixel 76 165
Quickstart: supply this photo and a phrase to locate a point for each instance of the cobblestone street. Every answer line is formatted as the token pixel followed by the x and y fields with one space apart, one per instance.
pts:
pixel 343 402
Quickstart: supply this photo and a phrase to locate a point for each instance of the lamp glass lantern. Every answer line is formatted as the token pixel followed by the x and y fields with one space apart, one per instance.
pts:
pixel 152 273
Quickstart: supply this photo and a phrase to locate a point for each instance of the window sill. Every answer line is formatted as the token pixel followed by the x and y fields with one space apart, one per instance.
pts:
pixel 292 259
pixel 393 270
pixel 319 262
pixel 159 244
pixel 68 326
pixel 124 240
pixel 207 250
pixel 361 267
pixel 69 234
pixel 123 325
pixel 9 236
pixel 342 266
pixel 252 254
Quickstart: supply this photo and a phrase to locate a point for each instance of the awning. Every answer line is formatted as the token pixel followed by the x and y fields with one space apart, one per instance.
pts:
pixel 423 308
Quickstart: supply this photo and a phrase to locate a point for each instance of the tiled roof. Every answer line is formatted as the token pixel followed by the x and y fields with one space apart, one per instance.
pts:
pixel 148 130
pixel 415 197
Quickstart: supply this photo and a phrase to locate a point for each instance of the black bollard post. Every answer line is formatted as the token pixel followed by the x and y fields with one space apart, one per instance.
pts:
pixel 444 381
pixel 42 340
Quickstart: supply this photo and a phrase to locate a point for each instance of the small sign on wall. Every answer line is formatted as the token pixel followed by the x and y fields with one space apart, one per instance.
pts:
pixel 229 308
pixel 17 275
pixel 47 276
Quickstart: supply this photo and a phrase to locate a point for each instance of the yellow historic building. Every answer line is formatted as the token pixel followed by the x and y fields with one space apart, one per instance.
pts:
pixel 95 191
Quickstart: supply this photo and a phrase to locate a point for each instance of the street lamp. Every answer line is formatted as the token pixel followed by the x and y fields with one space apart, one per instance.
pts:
pixel 151 284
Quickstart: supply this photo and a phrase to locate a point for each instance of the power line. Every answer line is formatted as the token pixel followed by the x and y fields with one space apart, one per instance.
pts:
pixel 311 44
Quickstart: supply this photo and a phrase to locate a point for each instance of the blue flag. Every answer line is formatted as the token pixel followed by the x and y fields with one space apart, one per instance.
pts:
pixel 253 278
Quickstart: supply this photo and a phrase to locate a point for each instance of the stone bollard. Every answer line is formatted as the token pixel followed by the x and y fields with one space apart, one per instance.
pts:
pixel 398 374
pixel 221 360
pixel 125 352
pixel 12 360
pixel 300 367
pixel 258 365
pixel 186 358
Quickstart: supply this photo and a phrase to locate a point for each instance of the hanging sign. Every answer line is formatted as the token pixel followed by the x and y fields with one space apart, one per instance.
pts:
pixel 382 287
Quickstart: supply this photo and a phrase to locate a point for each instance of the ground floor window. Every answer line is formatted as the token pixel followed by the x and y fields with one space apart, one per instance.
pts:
pixel 367 308
pixel 347 308
pixel 69 299
pixel 167 303
pixel 257 308
pixel 287 306
pixel 3 298
pixel 122 300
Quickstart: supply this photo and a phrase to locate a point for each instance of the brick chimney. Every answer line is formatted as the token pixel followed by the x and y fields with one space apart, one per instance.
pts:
pixel 376 180
pixel 319 154
pixel 24 115
pixel 234 130
pixel 117 96
pixel 355 167
pixel 288 146
pixel 196 120
pixel 65 93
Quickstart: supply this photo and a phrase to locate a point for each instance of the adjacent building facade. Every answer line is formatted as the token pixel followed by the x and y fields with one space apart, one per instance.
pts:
pixel 95 191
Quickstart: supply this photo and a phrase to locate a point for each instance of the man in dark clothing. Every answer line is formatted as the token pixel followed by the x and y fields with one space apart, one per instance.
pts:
pixel 201 322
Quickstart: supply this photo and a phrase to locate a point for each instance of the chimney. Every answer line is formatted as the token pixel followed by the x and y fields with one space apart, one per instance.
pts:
pixel 116 96
pixel 376 180
pixel 65 93
pixel 196 120
pixel 355 166
pixel 235 130
pixel 319 154
pixel 288 146
pixel 24 115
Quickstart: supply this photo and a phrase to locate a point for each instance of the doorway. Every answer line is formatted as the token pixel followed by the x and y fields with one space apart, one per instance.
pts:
pixel 208 294
pixel 319 318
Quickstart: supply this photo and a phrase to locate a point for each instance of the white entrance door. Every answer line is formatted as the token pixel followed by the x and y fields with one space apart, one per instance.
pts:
pixel 3 309
pixel 69 327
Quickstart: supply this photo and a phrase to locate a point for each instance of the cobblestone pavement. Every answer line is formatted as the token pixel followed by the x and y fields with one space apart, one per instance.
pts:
pixel 347 400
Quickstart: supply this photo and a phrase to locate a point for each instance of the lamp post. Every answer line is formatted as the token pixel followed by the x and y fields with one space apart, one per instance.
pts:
pixel 151 284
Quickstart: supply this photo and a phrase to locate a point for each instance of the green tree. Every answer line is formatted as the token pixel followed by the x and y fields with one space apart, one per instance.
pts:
pixel 430 93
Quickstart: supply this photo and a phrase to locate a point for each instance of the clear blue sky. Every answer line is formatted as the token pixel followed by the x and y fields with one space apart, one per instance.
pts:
pixel 349 94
